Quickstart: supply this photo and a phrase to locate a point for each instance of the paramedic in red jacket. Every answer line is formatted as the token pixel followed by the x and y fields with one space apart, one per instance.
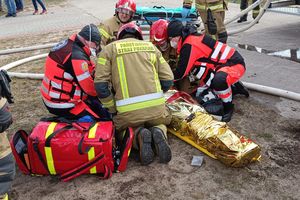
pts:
pixel 207 63
pixel 68 85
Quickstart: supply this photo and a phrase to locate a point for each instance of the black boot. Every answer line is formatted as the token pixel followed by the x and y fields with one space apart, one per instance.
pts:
pixel 161 145
pixel 242 19
pixel 228 111
pixel 239 88
pixel 144 141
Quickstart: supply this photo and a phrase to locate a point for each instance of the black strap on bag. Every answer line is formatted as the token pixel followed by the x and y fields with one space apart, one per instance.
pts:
pixel 40 156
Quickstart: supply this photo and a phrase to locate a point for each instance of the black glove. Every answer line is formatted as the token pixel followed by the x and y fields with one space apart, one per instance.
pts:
pixel 5 87
pixel 211 24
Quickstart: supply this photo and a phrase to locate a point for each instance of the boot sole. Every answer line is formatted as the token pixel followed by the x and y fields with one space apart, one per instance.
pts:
pixel 162 148
pixel 146 152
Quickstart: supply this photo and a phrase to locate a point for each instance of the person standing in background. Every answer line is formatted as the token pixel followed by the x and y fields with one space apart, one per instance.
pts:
pixel 11 8
pixel 243 6
pixel 36 9
pixel 19 5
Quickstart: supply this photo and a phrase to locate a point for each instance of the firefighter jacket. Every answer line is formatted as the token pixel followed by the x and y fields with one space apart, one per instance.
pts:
pixel 7 163
pixel 109 30
pixel 138 75
pixel 69 75
pixel 201 56
pixel 203 5
pixel 170 55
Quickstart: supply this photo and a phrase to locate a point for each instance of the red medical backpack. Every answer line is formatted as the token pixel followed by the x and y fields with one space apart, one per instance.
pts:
pixel 70 149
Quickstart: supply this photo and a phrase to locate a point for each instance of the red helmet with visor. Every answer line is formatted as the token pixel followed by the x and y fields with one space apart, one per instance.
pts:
pixel 158 33
pixel 130 28
pixel 126 6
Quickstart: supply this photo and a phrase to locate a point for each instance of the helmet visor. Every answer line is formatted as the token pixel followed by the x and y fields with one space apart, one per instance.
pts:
pixel 124 11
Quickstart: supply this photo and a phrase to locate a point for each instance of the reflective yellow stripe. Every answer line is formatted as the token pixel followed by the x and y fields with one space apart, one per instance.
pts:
pixel 101 61
pixel 141 105
pixel 156 79
pixel 162 60
pixel 122 74
pixel 5 197
pixel 129 152
pixel 48 151
pixel 108 104
pixel 104 33
pixel 91 153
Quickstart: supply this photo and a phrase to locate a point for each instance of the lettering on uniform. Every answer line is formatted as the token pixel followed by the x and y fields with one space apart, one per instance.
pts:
pixel 131 47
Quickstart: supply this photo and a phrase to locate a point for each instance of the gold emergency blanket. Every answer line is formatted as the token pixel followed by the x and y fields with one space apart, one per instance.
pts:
pixel 216 139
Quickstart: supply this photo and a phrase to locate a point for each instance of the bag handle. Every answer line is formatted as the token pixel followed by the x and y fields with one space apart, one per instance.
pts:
pixel 71 174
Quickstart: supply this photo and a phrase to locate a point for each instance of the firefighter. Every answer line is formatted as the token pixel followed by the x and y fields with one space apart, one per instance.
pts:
pixel 138 75
pixel 243 6
pixel 208 64
pixel 68 84
pixel 159 37
pixel 212 13
pixel 124 12
pixel 7 162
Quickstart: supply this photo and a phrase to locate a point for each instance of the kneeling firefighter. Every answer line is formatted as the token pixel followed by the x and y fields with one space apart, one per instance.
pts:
pixel 7 162
pixel 138 75
pixel 208 64
pixel 68 84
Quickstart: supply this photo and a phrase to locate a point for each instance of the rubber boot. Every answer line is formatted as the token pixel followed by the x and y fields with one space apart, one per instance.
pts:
pixel 239 88
pixel 144 142
pixel 161 145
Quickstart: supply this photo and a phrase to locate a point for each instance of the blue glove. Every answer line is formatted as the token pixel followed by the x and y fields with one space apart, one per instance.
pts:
pixel 185 12
pixel 86 118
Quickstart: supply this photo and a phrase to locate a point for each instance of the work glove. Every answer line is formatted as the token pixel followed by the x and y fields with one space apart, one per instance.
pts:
pixel 185 12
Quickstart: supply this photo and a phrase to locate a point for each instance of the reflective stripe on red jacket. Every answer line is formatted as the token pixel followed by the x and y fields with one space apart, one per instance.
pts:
pixel 68 74
pixel 202 56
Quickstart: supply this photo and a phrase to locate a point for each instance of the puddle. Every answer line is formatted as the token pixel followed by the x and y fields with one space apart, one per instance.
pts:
pixel 289 54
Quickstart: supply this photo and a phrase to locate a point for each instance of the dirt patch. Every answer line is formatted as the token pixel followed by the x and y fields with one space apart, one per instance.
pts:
pixel 275 177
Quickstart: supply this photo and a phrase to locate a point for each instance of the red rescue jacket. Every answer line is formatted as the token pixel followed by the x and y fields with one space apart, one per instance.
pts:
pixel 69 74
pixel 201 56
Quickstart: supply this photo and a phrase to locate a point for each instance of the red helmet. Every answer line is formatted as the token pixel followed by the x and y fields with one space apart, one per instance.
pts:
pixel 158 31
pixel 159 34
pixel 126 5
pixel 131 28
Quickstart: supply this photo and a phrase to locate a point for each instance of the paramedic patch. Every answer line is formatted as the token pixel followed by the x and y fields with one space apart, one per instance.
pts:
pixel 84 66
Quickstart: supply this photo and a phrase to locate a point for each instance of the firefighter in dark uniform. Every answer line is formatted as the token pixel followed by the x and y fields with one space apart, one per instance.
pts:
pixel 7 162
pixel 68 84
pixel 138 75
pixel 124 12
pixel 243 6
pixel 208 64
